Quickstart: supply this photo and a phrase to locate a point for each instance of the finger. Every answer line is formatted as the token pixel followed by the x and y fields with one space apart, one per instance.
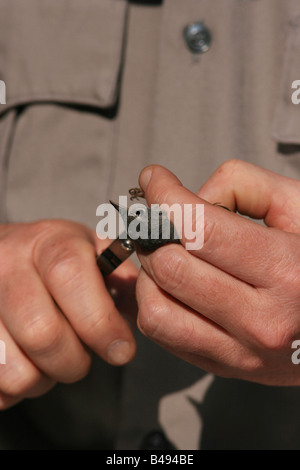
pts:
pixel 256 192
pixel 19 378
pixel 6 401
pixel 220 297
pixel 227 237
pixel 188 334
pixel 39 328
pixel 121 285
pixel 67 265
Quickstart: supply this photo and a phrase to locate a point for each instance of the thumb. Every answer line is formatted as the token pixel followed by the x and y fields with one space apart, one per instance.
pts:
pixel 255 192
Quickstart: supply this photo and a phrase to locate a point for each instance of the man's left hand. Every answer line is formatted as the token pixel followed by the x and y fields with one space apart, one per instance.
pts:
pixel 232 307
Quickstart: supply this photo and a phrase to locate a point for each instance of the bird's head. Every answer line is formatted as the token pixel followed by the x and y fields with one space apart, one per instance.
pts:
pixel 147 226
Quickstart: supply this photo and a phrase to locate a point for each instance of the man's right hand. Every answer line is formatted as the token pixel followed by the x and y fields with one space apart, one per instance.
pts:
pixel 55 307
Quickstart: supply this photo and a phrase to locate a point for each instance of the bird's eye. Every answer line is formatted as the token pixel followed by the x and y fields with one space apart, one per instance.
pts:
pixel 137 210
pixel 140 212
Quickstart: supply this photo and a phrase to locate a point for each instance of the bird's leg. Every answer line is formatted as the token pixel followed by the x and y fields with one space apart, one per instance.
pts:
pixel 136 193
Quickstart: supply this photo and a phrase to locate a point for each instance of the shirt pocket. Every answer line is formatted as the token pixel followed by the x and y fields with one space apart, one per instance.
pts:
pixel 61 61
pixel 61 50
pixel 286 124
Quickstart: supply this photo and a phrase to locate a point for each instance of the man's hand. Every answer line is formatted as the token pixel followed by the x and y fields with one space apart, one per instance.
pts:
pixel 55 307
pixel 232 307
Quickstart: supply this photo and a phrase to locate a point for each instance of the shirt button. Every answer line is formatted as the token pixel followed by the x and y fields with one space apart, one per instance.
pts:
pixel 197 37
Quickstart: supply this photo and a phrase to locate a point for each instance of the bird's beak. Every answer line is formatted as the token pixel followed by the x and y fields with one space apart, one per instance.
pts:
pixel 116 206
pixel 123 211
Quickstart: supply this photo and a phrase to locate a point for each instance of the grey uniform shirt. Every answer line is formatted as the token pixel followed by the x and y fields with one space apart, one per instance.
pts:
pixel 96 90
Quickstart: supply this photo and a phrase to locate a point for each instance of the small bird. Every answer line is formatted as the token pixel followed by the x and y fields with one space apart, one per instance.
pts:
pixel 147 228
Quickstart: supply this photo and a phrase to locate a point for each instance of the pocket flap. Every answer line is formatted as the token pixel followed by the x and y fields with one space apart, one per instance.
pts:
pixel 61 50
pixel 286 126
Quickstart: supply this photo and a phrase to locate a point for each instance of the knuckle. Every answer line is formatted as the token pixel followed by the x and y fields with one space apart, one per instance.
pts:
pixel 49 227
pixel 64 264
pixel 229 167
pixel 92 324
pixel 272 336
pixel 41 335
pixel 8 257
pixel 169 268
pixel 18 380
pixel 58 251
pixel 45 233
pixel 286 270
pixel 211 233
pixel 248 365
pixel 45 226
pixel 152 316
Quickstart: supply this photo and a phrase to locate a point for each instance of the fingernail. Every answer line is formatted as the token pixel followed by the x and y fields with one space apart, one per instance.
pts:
pixel 145 177
pixel 119 352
